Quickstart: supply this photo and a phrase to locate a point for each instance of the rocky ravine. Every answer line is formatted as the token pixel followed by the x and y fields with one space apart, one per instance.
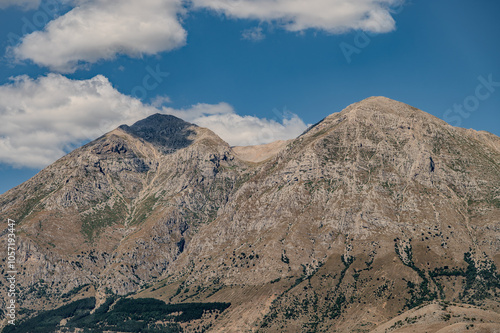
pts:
pixel 374 211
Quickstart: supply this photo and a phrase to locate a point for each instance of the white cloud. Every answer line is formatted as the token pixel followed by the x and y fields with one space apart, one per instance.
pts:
pixel 254 34
pixel 159 101
pixel 25 4
pixel 241 130
pixel 44 118
pixel 334 16
pixel 101 29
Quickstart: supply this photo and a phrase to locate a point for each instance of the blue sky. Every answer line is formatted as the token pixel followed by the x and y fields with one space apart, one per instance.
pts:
pixel 251 74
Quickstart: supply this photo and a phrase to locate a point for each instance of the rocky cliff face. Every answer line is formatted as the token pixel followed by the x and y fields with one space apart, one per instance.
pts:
pixel 375 210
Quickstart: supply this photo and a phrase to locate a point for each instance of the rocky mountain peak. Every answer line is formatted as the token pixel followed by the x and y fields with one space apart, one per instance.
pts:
pixel 383 116
pixel 379 106
pixel 167 132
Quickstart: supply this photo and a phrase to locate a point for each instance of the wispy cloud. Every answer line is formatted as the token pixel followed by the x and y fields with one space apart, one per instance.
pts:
pixel 45 118
pixel 101 29
pixel 255 34
pixel 24 4
pixel 334 16
pixel 159 101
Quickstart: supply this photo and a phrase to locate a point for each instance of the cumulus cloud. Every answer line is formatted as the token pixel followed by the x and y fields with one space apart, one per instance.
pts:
pixel 25 4
pixel 45 118
pixel 241 130
pixel 101 29
pixel 334 16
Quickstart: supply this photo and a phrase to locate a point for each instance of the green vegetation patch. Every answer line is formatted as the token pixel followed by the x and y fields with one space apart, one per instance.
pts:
pixel 48 321
pixel 146 207
pixel 95 222
pixel 421 293
pixel 127 315
pixel 481 280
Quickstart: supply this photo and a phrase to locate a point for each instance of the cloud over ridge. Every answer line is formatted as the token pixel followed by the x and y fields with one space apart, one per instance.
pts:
pixel 45 118
pixel 241 130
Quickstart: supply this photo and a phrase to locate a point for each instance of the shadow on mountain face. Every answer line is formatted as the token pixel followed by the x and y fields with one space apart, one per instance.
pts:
pixel 167 132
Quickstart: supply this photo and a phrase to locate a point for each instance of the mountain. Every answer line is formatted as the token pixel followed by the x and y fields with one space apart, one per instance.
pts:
pixel 378 211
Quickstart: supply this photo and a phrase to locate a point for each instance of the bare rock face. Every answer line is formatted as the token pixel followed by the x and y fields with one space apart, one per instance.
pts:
pixel 373 211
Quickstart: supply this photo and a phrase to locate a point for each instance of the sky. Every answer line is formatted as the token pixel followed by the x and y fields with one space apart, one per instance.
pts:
pixel 253 71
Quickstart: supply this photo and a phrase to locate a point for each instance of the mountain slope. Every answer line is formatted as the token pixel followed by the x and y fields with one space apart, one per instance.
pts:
pixel 375 210
pixel 375 205
pixel 117 211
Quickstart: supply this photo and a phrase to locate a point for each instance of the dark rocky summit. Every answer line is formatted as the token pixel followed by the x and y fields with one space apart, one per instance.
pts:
pixel 167 132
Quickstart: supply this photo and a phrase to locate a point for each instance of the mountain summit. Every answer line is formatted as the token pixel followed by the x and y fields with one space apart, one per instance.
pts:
pixel 376 211
pixel 165 131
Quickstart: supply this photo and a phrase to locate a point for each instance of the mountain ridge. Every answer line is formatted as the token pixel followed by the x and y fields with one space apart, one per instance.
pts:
pixel 379 208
